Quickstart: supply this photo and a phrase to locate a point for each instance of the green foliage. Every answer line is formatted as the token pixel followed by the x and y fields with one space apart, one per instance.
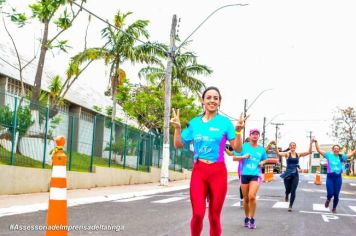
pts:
pixel 20 19
pixel 146 105
pixel 344 127
pixel 24 119
pixel 97 109
pixel 63 21
pixel 44 10
pixel 54 122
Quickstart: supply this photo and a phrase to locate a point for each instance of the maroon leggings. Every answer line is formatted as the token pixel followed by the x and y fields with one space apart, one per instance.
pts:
pixel 207 179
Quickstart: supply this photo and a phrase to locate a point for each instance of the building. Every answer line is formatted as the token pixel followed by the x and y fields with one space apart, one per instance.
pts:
pixel 77 112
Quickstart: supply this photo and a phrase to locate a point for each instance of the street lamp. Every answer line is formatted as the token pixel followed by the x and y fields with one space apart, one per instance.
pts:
pixel 167 97
pixel 246 108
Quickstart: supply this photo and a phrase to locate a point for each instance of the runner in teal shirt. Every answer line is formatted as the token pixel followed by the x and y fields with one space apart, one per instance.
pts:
pixel 209 138
pixel 334 169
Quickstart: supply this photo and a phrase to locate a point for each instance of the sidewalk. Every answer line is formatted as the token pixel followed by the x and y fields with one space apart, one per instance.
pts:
pixel 23 203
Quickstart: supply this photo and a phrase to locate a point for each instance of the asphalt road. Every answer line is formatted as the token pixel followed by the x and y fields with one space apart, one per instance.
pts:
pixel 169 213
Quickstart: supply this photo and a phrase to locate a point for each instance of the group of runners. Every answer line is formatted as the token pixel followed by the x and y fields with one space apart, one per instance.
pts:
pixel 209 133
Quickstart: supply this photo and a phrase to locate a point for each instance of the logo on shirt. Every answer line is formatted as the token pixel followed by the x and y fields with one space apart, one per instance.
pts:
pixel 214 129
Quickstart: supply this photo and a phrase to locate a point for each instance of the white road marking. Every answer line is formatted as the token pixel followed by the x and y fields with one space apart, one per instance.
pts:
pixel 133 199
pixel 320 207
pixel 281 205
pixel 326 218
pixel 237 204
pixel 352 184
pixel 342 198
pixel 312 182
pixel 323 213
pixel 353 208
pixel 167 200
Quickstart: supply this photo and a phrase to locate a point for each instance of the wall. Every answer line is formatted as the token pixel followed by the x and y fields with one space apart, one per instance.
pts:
pixel 19 180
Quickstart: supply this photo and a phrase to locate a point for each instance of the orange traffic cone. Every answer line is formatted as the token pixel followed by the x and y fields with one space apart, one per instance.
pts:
pixel 317 180
pixel 57 206
pixel 268 176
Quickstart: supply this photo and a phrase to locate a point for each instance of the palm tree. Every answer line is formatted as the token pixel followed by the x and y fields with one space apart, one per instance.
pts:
pixel 185 69
pixel 121 45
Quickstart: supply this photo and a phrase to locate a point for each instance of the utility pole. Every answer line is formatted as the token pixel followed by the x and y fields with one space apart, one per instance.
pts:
pixel 167 104
pixel 245 114
pixel 310 155
pixel 264 131
pixel 277 127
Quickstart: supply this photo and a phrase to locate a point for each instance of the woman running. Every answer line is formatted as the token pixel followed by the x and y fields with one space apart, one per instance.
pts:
pixel 291 175
pixel 251 175
pixel 334 171
pixel 209 133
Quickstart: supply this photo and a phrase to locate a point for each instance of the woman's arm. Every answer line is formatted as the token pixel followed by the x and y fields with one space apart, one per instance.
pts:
pixel 238 158
pixel 178 142
pixel 321 152
pixel 353 153
pixel 282 154
pixel 237 142
pixel 228 152
pixel 303 154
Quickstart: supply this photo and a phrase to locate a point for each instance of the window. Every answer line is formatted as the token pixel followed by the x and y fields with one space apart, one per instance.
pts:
pixel 316 155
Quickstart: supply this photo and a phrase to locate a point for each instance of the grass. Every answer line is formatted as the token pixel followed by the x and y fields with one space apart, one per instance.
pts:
pixel 80 162
pixel 19 160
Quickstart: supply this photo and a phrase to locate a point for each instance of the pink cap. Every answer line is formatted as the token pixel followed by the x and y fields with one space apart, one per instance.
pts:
pixel 254 130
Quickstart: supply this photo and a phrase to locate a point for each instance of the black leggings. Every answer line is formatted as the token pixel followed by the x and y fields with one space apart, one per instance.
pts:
pixel 291 184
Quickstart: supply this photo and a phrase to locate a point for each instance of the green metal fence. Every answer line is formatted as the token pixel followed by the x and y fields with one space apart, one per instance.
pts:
pixel 91 139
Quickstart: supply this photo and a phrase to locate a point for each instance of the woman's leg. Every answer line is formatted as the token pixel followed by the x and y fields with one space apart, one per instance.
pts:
pixel 218 188
pixel 338 184
pixel 287 185
pixel 253 188
pixel 294 185
pixel 329 189
pixel 245 191
pixel 198 193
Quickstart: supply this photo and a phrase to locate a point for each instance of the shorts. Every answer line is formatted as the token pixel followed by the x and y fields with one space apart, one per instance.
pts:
pixel 246 179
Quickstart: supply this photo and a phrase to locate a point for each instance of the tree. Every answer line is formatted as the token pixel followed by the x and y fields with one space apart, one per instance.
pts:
pixel 120 46
pixel 185 69
pixel 145 104
pixel 44 12
pixel 344 128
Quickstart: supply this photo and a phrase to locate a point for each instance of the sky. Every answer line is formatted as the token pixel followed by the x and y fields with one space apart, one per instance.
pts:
pixel 297 57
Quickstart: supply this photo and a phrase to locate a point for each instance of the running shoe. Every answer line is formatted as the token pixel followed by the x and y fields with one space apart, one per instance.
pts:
pixel 290 209
pixel 286 198
pixel 327 203
pixel 252 224
pixel 247 222
pixel 333 210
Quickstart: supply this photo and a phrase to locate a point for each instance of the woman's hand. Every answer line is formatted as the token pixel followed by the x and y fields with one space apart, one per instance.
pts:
pixel 241 123
pixel 175 119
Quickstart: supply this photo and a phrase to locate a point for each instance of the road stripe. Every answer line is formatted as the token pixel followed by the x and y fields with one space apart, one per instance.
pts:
pixel 326 213
pixel 353 208
pixel 133 199
pixel 312 182
pixel 352 184
pixel 167 200
pixel 237 204
pixel 320 207
pixel 281 205
pixel 343 199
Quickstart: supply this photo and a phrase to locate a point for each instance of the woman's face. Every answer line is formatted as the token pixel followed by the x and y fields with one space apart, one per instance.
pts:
pixel 336 150
pixel 211 100
pixel 292 146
